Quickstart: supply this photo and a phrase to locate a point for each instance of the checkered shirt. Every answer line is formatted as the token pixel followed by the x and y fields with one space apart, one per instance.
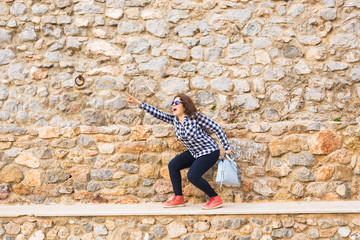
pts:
pixel 192 133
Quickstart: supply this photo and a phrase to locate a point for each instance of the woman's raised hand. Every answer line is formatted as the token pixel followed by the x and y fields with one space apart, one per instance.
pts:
pixel 132 100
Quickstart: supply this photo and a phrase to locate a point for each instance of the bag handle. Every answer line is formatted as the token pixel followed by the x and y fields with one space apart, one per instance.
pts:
pixel 230 157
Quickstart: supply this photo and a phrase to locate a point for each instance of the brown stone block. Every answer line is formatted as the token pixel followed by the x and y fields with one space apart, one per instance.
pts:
pixel 352 141
pixel 7 138
pixel 4 191
pixel 5 145
pixel 324 142
pixel 341 156
pixel 61 153
pixel 324 173
pixel 266 186
pixel 89 130
pixel 327 233
pixel 156 145
pixel 356 159
pixel 289 144
pixel 149 171
pixel 82 195
pixel 90 153
pixel 73 108
pixel 104 138
pixel 247 185
pixel 37 73
pixel 297 128
pixel 141 132
pixel 163 187
pixel 28 159
pixel 298 189
pixel 70 132
pixel 255 171
pixel 44 223
pixel 236 133
pixel 113 192
pixel 63 143
pixel 164 173
pixel 21 189
pixel 80 173
pixel 48 132
pixel 128 200
pixel 176 145
pixel 342 173
pixel 47 190
pixel 99 199
pixel 132 147
pixel 11 174
pixel 192 191
pixel 33 178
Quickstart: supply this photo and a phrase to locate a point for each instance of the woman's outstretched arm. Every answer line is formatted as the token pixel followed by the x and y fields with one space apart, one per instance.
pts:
pixel 169 118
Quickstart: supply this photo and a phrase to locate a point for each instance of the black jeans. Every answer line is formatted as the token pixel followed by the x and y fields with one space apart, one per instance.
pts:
pixel 198 166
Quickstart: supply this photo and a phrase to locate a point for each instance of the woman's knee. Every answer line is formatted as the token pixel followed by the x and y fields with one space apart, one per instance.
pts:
pixel 192 177
pixel 173 165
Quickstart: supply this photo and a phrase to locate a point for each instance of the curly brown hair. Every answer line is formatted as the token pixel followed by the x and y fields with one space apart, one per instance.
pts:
pixel 188 104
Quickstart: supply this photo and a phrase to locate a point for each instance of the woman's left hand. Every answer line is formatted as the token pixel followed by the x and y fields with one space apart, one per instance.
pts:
pixel 228 152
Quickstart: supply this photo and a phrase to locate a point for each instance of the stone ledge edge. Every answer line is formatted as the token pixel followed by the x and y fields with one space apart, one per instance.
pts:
pixel 155 209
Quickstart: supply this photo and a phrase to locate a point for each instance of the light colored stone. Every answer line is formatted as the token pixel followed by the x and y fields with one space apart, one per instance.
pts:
pixel 48 132
pixel 130 27
pixel 114 13
pixel 240 15
pixel 173 86
pixel 186 30
pixel 6 56
pixel 247 101
pixel 221 84
pixel 150 13
pixel 28 34
pixel 302 68
pixel 106 148
pixel 296 9
pixel 176 229
pixel 344 231
pixel 211 70
pixel 28 159
pixel 311 40
pixel 328 14
pixel 237 50
pixel 274 74
pixel 103 47
pixel 38 235
pixel 252 28
pixel 179 52
pixel 158 27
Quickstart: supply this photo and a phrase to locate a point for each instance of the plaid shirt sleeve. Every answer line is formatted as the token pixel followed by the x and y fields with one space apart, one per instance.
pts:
pixel 169 118
pixel 213 127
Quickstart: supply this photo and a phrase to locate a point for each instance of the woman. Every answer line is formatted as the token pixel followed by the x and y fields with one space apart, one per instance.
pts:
pixel 203 152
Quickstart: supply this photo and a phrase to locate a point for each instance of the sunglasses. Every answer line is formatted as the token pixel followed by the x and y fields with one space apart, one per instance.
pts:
pixel 176 103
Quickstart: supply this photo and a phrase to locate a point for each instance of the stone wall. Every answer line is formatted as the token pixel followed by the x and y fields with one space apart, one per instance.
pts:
pixel 295 227
pixel 242 61
pixel 262 69
pixel 284 161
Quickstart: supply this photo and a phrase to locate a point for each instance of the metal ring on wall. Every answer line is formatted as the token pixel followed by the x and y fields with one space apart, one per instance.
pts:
pixel 79 80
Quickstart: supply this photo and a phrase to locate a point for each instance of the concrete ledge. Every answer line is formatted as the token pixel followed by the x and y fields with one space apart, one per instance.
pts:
pixel 151 209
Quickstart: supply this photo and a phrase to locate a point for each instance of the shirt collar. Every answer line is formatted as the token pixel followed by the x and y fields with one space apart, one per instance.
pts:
pixel 185 118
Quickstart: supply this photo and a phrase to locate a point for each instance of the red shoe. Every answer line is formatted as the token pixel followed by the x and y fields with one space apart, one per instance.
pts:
pixel 177 201
pixel 215 202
